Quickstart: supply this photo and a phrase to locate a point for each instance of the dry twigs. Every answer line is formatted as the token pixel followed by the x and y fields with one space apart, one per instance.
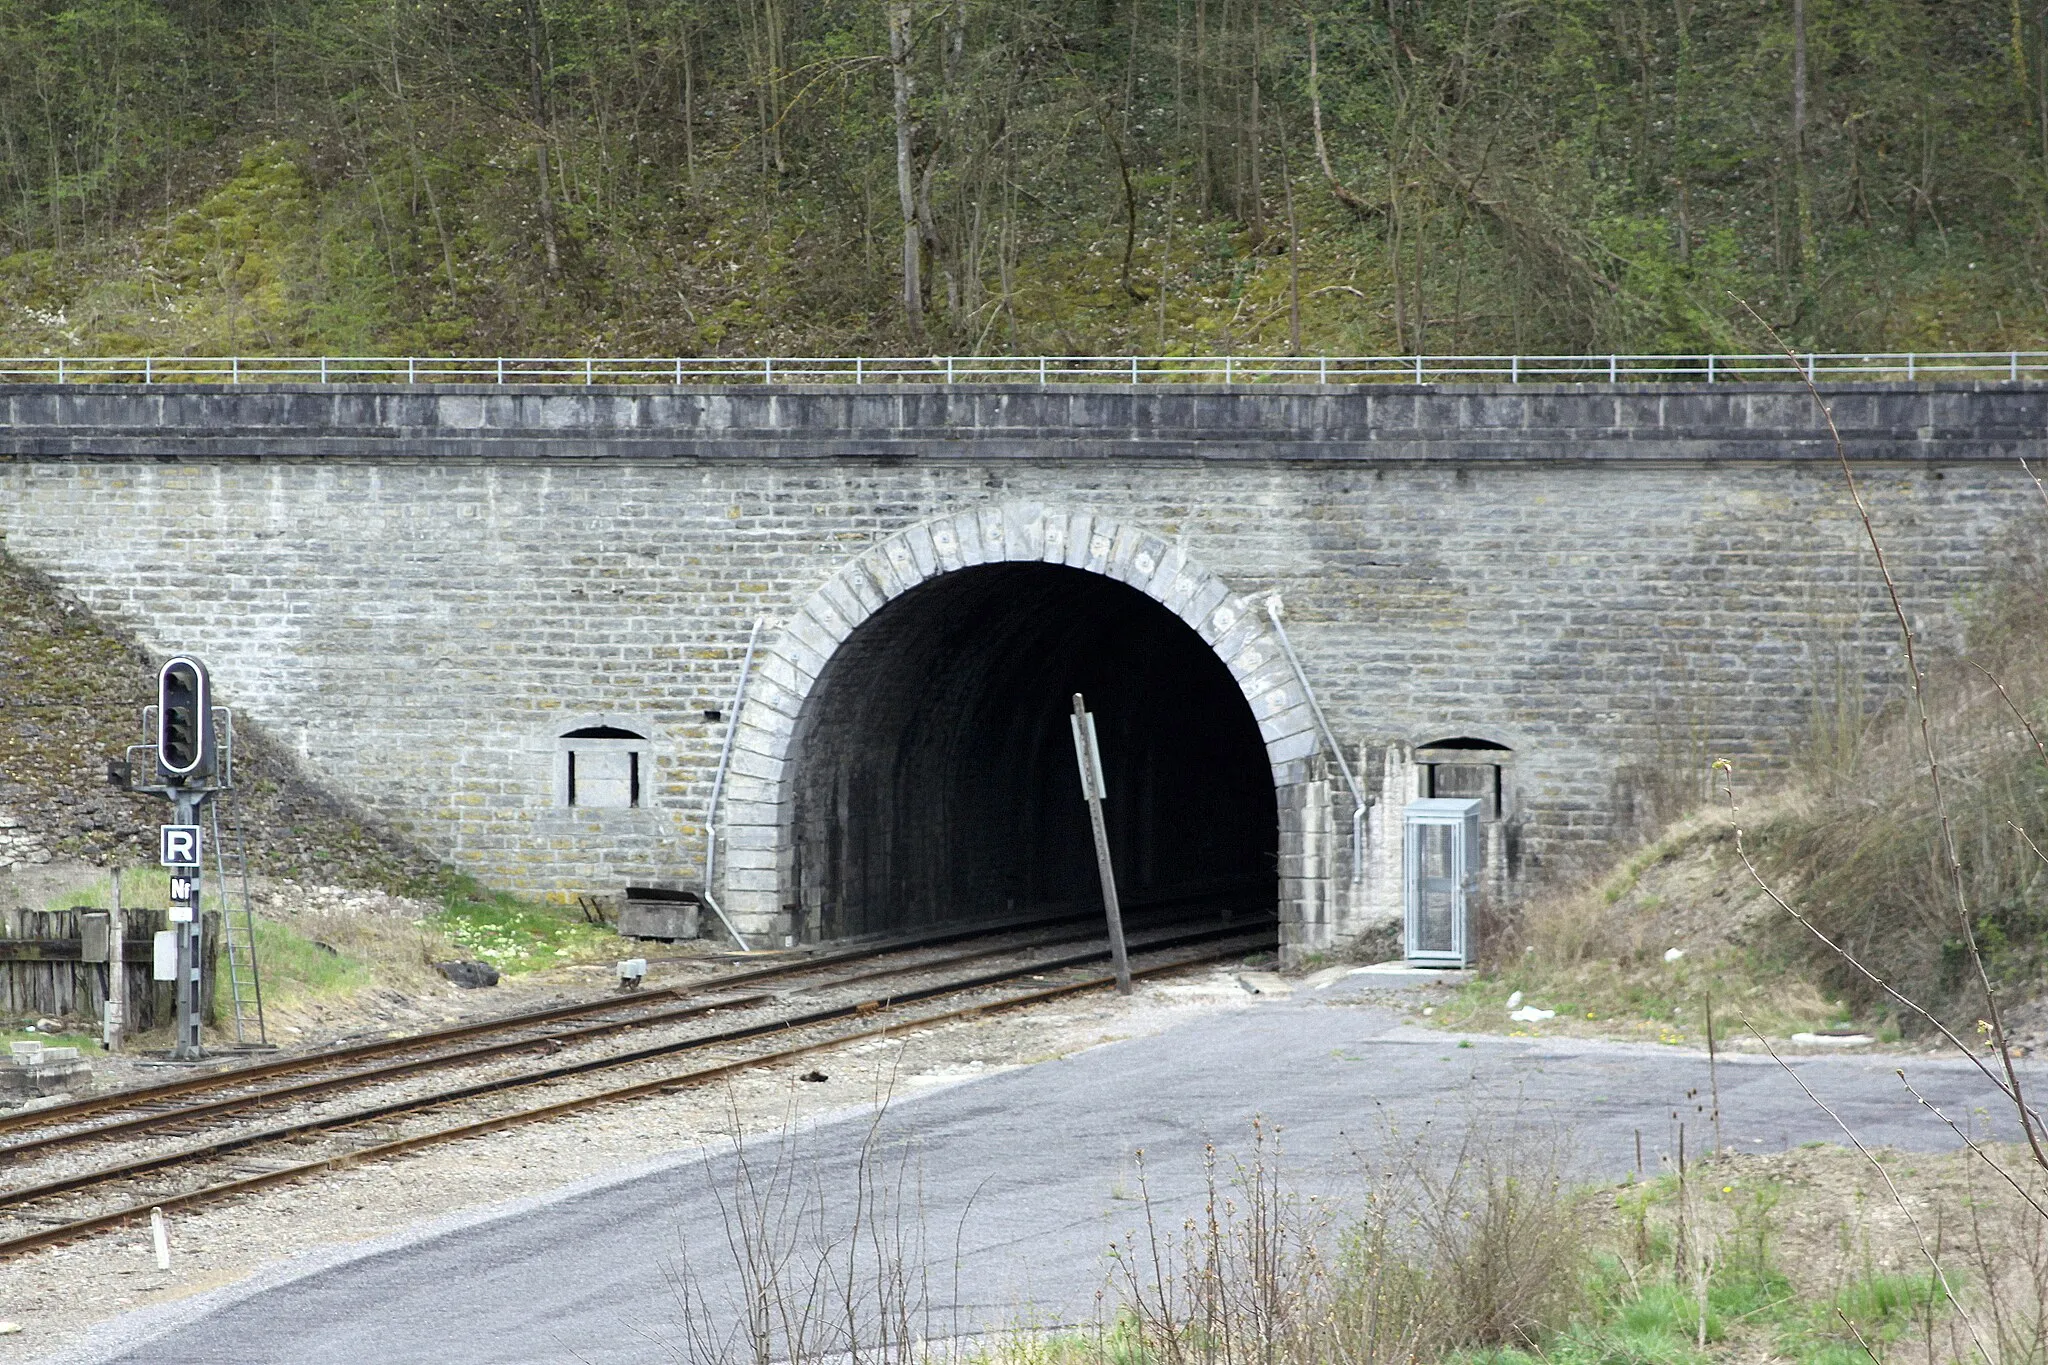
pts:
pixel 2030 1122
pixel 1899 1199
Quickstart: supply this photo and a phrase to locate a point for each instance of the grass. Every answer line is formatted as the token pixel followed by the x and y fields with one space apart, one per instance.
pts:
pixel 140 887
pixel 1601 954
pixel 328 955
pixel 1659 1323
pixel 295 965
pixel 1852 841
pixel 1681 1270
pixel 1860 851
pixel 517 935
pixel 1667 1006
pixel 84 1042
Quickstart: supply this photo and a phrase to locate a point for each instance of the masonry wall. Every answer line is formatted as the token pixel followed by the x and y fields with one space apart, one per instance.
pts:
pixel 423 616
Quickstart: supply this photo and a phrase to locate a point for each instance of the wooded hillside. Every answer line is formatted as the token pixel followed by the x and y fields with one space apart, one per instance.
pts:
pixel 727 176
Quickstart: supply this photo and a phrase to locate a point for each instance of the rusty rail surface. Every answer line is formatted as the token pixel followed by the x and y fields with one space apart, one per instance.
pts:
pixel 552 1041
pixel 1233 939
pixel 237 1075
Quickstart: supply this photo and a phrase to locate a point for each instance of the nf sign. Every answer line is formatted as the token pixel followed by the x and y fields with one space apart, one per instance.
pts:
pixel 178 845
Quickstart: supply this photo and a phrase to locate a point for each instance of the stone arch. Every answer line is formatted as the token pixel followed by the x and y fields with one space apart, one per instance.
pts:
pixel 790 660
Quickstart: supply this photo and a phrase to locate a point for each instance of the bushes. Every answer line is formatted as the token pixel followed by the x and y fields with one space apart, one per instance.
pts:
pixel 1480 1248
pixel 1864 845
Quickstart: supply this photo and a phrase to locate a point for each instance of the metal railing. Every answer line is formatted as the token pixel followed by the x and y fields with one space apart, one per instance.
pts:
pixel 1065 369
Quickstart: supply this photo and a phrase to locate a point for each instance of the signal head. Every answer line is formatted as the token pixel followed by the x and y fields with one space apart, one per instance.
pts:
pixel 184 721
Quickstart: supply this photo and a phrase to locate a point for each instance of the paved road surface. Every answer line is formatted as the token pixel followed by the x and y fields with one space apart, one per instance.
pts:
pixel 1023 1180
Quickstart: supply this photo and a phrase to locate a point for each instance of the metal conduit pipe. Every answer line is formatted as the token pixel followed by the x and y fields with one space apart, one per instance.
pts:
pixel 1273 608
pixel 732 725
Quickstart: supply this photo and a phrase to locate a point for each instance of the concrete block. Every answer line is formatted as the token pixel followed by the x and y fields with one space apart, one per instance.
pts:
pixel 946 546
pixel 967 530
pixel 922 551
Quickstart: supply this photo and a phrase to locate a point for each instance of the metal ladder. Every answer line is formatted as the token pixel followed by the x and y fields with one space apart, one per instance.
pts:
pixel 238 935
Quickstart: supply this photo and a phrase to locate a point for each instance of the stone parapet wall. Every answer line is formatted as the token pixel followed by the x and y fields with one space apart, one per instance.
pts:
pixel 1370 422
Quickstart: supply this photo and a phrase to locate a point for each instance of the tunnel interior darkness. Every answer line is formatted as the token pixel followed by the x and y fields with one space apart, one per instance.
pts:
pixel 934 777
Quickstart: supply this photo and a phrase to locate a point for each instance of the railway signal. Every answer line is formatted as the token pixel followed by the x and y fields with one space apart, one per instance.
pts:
pixel 191 763
pixel 184 721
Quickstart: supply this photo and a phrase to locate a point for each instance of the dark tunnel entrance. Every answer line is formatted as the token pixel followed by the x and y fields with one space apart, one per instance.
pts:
pixel 934 778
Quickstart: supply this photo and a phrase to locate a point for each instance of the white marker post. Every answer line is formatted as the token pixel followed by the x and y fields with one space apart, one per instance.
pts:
pixel 115 1024
pixel 1088 755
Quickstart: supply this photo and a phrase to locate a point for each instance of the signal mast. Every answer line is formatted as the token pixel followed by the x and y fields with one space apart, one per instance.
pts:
pixel 192 760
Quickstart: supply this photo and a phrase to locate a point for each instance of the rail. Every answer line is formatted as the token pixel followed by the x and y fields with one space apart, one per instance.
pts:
pixel 794 1032
pixel 1228 370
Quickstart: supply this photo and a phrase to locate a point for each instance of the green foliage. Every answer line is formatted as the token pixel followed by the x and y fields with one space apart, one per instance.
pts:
pixel 86 1043
pixel 1646 1317
pixel 514 935
pixel 1686 1274
pixel 295 966
pixel 665 176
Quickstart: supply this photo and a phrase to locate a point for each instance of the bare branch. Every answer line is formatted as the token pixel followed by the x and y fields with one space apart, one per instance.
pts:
pixel 1968 1142
pixel 2014 827
pixel 2043 488
pixel 2028 1122
pixel 2013 706
pixel 1897 997
pixel 1361 208
pixel 1859 1337
pixel 1885 1176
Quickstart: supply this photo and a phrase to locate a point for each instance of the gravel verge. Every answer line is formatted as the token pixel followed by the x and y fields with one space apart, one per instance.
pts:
pixel 59 1295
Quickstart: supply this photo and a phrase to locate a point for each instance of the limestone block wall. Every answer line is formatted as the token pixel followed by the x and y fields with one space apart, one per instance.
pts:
pixel 423 609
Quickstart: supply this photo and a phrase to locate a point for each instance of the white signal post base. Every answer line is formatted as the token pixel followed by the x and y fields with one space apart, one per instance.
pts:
pixel 189 925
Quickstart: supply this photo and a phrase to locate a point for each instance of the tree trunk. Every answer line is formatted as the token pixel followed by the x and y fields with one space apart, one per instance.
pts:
pixel 1351 201
pixel 906 178
pixel 1258 176
pixel 689 112
pixel 1801 190
pixel 1293 253
pixel 1681 156
pixel 1204 190
pixel 536 56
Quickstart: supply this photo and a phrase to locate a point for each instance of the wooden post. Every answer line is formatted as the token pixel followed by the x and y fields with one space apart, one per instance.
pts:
pixel 1713 1071
pixel 117 971
pixel 1088 754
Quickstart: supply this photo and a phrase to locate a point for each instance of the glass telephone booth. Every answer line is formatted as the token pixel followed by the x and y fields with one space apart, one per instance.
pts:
pixel 1441 870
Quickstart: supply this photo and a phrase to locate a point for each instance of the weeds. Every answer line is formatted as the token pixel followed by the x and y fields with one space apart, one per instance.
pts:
pixel 516 935
pixel 1475 1250
pixel 1479 1248
pixel 1956 887
pixel 295 965
pixel 812 1278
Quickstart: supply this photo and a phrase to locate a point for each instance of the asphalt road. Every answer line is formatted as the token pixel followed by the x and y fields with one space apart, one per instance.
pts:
pixel 1008 1191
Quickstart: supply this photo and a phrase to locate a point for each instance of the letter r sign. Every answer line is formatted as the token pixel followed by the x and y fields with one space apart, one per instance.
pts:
pixel 178 845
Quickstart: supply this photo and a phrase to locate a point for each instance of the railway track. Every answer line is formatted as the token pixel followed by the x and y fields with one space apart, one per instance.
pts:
pixel 537 1024
pixel 207 1138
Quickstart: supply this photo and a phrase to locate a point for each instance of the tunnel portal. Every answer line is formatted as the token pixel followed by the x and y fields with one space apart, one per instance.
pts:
pixel 934 777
